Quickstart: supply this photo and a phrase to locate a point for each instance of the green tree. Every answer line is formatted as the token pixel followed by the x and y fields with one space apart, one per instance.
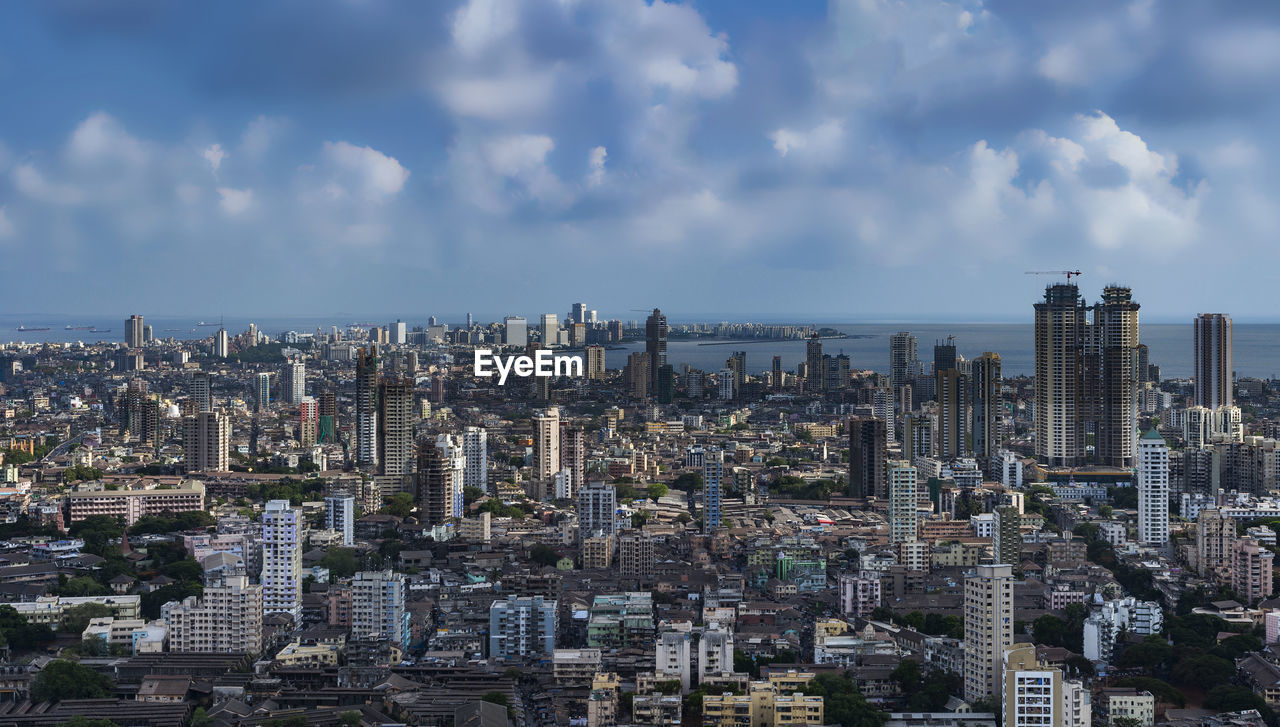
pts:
pixel 62 679
pixel 1048 630
pixel 76 619
pixel 21 635
pixel 1150 654
pixel 350 718
pixel 341 562
pixel 843 703
pixel 82 586
pixel 907 675
pixel 657 490
pixel 1162 690
pixel 470 494
pixel 496 697
pixel 201 718
pixel 400 504
pixel 82 721
pixel 1200 670
pixel 1126 722
pixel 543 554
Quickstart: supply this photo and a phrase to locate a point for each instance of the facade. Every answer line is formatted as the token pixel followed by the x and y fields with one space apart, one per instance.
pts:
pixel 1006 538
pixel 282 559
pixel 762 706
pixel 1153 489
pixel 988 629
pixel 295 382
pixel 308 422
pixel 672 657
pixel 546 443
pixel 1032 692
pixel 904 516
pixel 206 438
pixel 712 488
pixel 340 516
pixel 262 392
pixel 859 593
pixel 986 401
pixel 1251 574
pixel 573 458
pixel 225 619
pixel 1114 403
pixel 655 344
pixel 715 652
pixel 475 447
pixel 597 508
pixel 133 504
pixel 522 627
pixel 953 392
pixel 1060 330
pixel 868 439
pixel 902 361
pixel 1214 364
pixel 366 413
pixel 395 426
pixel 636 557
pixel 435 484
pixel 378 607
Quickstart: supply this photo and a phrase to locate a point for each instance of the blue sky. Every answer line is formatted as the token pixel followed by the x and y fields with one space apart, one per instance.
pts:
pixel 859 160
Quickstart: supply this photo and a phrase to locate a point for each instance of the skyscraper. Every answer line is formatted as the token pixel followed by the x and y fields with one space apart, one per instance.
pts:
pixel 636 557
pixel 655 343
pixel 516 331
pixel 595 362
pixel 475 447
pixel 814 370
pixel 378 610
pixel 328 409
pixel 295 382
pixel 455 460
pixel 953 413
pixel 201 390
pixel 944 354
pixel 546 443
pixel 712 488
pixel 1115 344
pixel 573 457
pixel 134 332
pixel 867 443
pixel 221 344
pixel 578 313
pixel 395 425
pixel 367 406
pixel 550 330
pixel 1153 489
pixel 206 437
pixel 902 360
pixel 308 421
pixel 1060 330
pixel 1006 541
pixel 776 378
pixel 988 629
pixel 262 393
pixel 340 515
pixel 986 405
pixel 282 559
pixel 435 485
pixel 597 509
pixel 904 518
pixel 1213 360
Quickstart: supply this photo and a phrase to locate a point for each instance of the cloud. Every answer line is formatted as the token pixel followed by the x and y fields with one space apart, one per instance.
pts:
pixel 32 183
pixel 214 155
pixel 235 202
pixel 375 176
pixel 595 162
pixel 100 139
pixel 260 134
pixel 6 225
pixel 824 141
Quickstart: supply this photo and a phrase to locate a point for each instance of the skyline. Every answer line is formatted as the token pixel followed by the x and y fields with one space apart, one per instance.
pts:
pixel 806 162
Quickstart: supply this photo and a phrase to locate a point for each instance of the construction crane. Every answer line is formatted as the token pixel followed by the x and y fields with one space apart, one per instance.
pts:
pixel 1068 273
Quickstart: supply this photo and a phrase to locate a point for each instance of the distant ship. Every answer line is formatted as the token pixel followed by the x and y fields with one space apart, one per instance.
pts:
pixel 23 329
pixel 81 328
pixel 202 323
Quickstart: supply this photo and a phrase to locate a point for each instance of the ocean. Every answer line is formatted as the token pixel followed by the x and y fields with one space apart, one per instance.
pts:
pixel 1257 345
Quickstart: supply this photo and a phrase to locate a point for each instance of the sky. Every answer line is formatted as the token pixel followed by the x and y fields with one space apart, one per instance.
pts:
pixel 858 160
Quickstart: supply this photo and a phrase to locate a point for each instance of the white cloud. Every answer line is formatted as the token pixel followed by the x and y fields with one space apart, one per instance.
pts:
pixel 824 141
pixel 260 134
pixel 32 183
pixel 235 202
pixel 481 23
pixel 595 162
pixel 100 139
pixel 376 176
pixel 510 96
pixel 214 155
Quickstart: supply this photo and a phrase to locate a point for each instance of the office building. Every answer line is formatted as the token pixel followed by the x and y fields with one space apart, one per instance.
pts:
pixel 282 559
pixel 515 331
pixel 435 485
pixel 134 332
pixel 597 509
pixel 475 447
pixel 295 382
pixel 1153 489
pixel 366 412
pixel 814 370
pixel 546 443
pixel 1214 365
pixel 398 333
pixel 550 330
pixel 1060 333
pixel 221 344
pixel 340 516
pixel 573 458
pixel 904 508
pixel 712 489
pixel 522 627
pixel 395 425
pixel 206 439
pixel 988 629
pixel 655 343
pixel 578 313
pixel 262 392
pixel 868 440
pixel 776 377
pixel 903 364
pixel 378 610
pixel 201 391
pixel 986 402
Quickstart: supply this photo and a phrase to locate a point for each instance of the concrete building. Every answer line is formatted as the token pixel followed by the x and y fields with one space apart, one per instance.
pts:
pixel 1032 691
pixel 1153 489
pixel 282 559
pixel 395 426
pixel 1214 363
pixel 366 408
pixel 378 607
pixel 859 593
pixel 340 516
pixel 715 652
pixel 1251 571
pixel 762 706
pixel 672 658
pixel 712 489
pixel 904 515
pixel 546 443
pixel 868 439
pixel 295 382
pixel 521 627
pixel 225 619
pixel 133 504
pixel 636 557
pixel 206 438
pixel 475 447
pixel 988 629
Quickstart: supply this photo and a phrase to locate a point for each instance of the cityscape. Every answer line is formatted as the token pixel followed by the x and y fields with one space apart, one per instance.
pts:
pixel 639 363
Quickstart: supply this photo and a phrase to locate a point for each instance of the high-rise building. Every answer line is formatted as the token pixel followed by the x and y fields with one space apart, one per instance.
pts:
pixel 206 437
pixel 328 409
pixel 398 333
pixel 988 629
pixel 1060 332
pixel 636 375
pixel 295 382
pixel 902 360
pixel 1114 343
pixel 522 627
pixel 712 488
pixel 366 413
pixel 868 440
pixel 595 362
pixel 378 610
pixel 262 393
pixel 944 355
pixel 475 447
pixel 814 370
pixel 546 443
pixel 1006 540
pixel 776 378
pixel 904 515
pixel 986 404
pixel 859 593
pixel 1153 489
pixel 435 485
pixel 715 652
pixel 221 344
pixel 395 425
pixel 340 515
pixel 882 408
pixel 282 559
pixel 578 313
pixel 308 421
pixel 516 331
pixel 573 457
pixel 201 390
pixel 597 510
pixel 1251 572
pixel 550 330
pixel 672 658
pixel 952 438
pixel 655 343
pixel 134 335
pixel 1214 364
pixel 225 619
pixel 1032 691
pixel 1214 533
pixel 455 459
pixel 636 557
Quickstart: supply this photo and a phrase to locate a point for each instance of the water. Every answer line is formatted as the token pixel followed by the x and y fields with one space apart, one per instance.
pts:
pixel 1257 345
